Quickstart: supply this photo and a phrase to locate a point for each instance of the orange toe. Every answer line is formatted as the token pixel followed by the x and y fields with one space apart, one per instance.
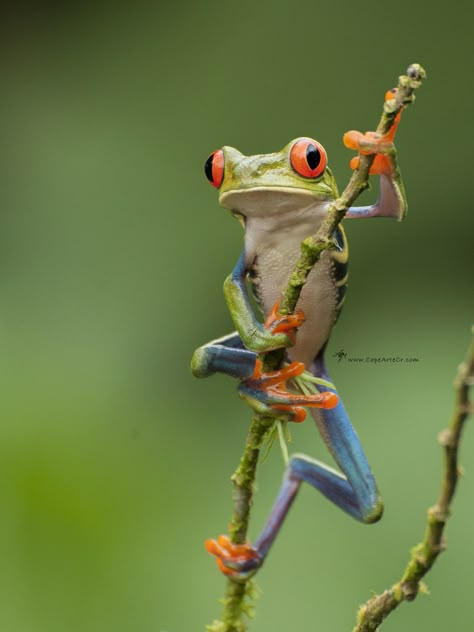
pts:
pixel 381 165
pixel 282 323
pixel 390 94
pixel 352 139
pixel 298 413
pixel 354 163
pixel 273 378
pixel 328 400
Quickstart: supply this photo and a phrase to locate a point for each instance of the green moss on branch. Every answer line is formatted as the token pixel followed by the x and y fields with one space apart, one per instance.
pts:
pixel 425 554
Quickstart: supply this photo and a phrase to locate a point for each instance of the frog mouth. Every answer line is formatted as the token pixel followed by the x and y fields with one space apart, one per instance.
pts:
pixel 263 200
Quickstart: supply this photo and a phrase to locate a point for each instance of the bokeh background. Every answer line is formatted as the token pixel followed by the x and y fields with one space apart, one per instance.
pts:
pixel 114 461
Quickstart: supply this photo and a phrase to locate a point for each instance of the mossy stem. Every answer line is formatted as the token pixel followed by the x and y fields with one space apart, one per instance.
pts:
pixel 424 555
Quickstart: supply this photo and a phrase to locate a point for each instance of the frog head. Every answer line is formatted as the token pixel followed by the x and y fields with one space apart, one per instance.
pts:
pixel 286 181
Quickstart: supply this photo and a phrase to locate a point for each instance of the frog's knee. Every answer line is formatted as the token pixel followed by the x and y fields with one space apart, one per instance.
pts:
pixel 374 513
pixel 200 365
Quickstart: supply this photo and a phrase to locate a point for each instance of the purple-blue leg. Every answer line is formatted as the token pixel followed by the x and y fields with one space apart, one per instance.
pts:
pixel 392 202
pixel 224 355
pixel 354 490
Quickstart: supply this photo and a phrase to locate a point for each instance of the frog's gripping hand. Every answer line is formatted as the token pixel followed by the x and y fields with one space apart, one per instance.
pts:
pixel 284 323
pixel 373 143
pixel 392 202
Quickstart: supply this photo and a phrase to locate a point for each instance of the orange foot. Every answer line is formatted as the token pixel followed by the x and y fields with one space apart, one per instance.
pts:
pixel 270 390
pixel 284 323
pixel 234 560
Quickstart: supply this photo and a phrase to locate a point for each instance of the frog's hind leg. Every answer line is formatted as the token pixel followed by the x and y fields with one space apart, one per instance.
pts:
pixel 224 355
pixel 353 489
pixel 265 392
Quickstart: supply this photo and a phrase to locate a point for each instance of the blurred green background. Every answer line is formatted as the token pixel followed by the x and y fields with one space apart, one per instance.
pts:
pixel 114 461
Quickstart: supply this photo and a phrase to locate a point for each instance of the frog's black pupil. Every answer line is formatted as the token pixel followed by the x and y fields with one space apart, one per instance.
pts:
pixel 208 168
pixel 313 156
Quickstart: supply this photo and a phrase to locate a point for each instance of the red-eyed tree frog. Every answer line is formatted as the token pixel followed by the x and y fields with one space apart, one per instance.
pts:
pixel 280 199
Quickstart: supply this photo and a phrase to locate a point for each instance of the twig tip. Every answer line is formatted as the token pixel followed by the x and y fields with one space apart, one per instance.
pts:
pixel 416 71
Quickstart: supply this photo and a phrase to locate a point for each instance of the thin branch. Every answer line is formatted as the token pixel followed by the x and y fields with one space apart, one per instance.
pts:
pixel 424 555
pixel 232 619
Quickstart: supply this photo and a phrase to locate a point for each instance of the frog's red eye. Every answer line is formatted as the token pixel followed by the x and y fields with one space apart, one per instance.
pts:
pixel 308 158
pixel 214 168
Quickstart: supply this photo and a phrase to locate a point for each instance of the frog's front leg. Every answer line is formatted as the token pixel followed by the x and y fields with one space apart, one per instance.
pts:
pixel 260 338
pixel 353 489
pixel 392 201
pixel 236 354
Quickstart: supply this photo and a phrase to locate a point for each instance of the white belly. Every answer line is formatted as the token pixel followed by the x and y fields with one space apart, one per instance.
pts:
pixel 275 251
